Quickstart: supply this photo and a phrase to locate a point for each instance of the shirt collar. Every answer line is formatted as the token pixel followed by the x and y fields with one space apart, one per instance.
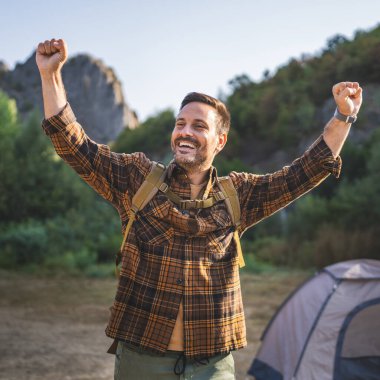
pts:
pixel 174 170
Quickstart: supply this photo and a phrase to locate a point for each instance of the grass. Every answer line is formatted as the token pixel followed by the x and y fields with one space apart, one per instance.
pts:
pixel 64 316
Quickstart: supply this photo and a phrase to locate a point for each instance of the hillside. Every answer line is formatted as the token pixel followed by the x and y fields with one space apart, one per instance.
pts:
pixel 275 119
pixel 93 90
pixel 50 219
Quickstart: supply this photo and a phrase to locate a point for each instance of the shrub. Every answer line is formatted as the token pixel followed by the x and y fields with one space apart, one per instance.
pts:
pixel 71 262
pixel 334 244
pixel 24 243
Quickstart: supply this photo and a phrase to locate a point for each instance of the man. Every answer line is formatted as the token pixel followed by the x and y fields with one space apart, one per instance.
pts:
pixel 178 311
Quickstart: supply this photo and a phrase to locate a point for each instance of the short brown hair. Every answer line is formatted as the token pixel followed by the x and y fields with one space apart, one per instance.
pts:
pixel 224 119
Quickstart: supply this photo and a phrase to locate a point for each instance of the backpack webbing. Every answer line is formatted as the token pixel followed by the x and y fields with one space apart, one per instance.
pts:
pixel 143 195
pixel 232 202
pixel 152 184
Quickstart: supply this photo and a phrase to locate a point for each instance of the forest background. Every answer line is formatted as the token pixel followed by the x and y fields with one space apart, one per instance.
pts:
pixel 51 221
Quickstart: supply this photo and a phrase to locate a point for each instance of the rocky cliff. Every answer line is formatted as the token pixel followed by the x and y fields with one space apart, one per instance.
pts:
pixel 93 91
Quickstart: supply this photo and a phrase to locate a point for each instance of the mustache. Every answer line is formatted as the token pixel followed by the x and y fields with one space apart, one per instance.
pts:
pixel 188 139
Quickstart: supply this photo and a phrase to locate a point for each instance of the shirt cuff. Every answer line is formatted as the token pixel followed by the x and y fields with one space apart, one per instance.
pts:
pixel 321 152
pixel 59 122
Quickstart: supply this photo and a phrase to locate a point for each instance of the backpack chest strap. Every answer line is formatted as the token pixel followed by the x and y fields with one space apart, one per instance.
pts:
pixel 187 204
pixel 155 182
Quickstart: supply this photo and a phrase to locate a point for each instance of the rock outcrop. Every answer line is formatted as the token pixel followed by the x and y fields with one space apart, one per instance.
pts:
pixel 93 91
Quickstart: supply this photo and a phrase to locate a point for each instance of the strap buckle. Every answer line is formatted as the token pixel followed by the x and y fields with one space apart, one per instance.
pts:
pixel 134 209
pixel 199 203
pixel 189 204
pixel 163 187
pixel 219 196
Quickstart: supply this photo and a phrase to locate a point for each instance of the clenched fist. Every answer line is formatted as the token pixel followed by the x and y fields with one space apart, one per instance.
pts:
pixel 51 56
pixel 348 97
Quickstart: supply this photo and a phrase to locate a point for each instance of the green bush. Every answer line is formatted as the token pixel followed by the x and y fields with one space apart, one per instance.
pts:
pixel 151 137
pixel 334 244
pixel 71 262
pixel 24 243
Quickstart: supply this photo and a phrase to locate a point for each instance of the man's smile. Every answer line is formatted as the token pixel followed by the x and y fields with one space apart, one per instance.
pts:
pixel 186 145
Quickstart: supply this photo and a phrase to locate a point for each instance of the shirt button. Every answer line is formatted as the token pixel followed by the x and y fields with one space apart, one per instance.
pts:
pixel 179 281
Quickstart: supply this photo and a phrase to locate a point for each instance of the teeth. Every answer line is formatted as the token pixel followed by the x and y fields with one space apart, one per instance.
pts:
pixel 187 145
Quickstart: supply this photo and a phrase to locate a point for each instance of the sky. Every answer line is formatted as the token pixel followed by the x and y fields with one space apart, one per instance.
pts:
pixel 161 50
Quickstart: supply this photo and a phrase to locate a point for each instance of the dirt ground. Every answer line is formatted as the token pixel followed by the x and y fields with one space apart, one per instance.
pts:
pixel 53 328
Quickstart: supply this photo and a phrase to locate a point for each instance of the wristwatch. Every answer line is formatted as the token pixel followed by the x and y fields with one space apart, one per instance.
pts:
pixel 347 119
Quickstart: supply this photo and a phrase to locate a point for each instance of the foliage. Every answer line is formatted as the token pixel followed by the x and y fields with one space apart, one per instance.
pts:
pixel 283 107
pixel 48 216
pixel 321 230
pixel 9 130
pixel 22 244
pixel 50 219
pixel 152 137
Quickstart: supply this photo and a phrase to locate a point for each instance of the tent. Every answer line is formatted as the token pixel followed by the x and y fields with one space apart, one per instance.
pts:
pixel 327 329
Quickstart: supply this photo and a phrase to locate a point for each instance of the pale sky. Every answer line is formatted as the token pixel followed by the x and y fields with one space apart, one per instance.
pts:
pixel 163 49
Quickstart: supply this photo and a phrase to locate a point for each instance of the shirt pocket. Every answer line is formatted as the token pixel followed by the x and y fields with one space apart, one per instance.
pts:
pixel 149 271
pixel 220 215
pixel 219 245
pixel 152 223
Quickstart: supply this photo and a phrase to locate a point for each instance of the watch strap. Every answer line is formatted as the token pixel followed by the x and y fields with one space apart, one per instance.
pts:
pixel 347 119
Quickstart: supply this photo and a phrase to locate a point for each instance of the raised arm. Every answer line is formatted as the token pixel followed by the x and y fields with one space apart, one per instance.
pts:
pixel 263 195
pixel 348 99
pixel 50 57
pixel 115 176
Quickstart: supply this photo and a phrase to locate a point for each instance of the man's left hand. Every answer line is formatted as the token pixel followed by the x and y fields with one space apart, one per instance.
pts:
pixel 348 97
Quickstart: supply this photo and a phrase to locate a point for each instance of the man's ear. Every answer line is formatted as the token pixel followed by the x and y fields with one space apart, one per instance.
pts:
pixel 222 139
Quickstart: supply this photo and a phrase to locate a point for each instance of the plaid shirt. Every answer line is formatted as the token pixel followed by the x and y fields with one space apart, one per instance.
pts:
pixel 172 256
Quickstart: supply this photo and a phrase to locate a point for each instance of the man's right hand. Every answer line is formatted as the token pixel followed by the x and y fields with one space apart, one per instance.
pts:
pixel 51 56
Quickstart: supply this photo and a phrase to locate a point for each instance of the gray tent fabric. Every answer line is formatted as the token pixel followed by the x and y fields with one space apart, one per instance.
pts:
pixel 360 338
pixel 329 326
pixel 358 349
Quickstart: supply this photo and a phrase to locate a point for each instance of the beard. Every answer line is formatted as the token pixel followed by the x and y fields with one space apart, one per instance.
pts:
pixel 190 162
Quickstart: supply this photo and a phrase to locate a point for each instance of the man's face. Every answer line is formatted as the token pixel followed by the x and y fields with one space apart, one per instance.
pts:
pixel 195 140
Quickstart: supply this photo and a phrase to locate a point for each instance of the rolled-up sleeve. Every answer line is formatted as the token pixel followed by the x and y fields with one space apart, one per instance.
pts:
pixel 262 195
pixel 320 157
pixel 59 122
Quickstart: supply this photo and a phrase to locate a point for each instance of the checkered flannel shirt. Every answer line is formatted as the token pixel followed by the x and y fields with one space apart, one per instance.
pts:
pixel 172 256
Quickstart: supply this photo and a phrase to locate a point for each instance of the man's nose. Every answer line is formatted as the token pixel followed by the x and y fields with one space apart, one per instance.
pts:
pixel 187 130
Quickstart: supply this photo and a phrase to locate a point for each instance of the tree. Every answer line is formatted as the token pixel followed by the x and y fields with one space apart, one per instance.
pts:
pixel 9 130
pixel 151 137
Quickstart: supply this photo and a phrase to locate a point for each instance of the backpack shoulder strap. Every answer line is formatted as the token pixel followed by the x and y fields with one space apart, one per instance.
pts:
pixel 149 187
pixel 232 202
pixel 143 195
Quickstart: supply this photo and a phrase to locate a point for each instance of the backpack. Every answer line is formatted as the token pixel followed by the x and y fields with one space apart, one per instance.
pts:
pixel 154 182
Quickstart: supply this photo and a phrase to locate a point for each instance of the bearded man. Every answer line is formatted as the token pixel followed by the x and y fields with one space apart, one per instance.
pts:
pixel 178 311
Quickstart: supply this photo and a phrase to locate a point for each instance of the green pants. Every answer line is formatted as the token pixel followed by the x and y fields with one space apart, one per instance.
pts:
pixel 134 365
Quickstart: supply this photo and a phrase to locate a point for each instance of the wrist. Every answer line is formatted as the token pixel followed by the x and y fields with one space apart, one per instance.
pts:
pixel 51 76
pixel 348 119
pixel 53 92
